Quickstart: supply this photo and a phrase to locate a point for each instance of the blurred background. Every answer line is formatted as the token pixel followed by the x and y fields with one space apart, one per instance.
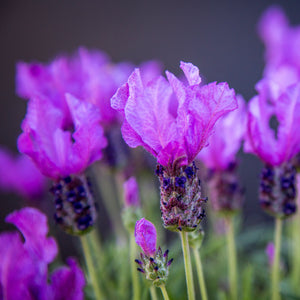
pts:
pixel 218 36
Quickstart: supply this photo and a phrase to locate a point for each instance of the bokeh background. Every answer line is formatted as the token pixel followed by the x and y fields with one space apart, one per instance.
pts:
pixel 218 36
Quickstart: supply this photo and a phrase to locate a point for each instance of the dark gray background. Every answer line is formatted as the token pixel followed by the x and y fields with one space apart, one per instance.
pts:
pixel 218 36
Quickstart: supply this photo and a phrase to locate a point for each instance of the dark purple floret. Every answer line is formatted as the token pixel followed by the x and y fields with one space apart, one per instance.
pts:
pixel 189 172
pixel 169 262
pixel 166 183
pixel 67 179
pixel 84 222
pixel 180 181
pixel 289 209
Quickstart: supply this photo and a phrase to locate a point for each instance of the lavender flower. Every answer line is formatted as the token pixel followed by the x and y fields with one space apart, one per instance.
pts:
pixel 220 160
pixel 173 121
pixel 154 264
pixel 62 150
pixel 24 265
pixel 20 175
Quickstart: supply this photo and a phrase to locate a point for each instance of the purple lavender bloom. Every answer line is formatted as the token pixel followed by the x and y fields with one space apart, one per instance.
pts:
pixel 131 192
pixel 60 148
pixel 145 236
pixel 20 175
pixel 171 120
pixel 24 265
pixel 88 75
pixel 277 146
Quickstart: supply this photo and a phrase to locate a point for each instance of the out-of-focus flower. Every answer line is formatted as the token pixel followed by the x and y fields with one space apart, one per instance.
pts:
pixel 24 265
pixel 154 264
pixel 88 75
pixel 282 43
pixel 173 121
pixel 219 158
pixel 276 147
pixel 270 251
pixel 62 151
pixel 19 174
pixel 131 192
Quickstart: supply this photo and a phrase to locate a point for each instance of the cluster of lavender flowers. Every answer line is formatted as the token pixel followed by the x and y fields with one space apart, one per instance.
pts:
pixel 82 108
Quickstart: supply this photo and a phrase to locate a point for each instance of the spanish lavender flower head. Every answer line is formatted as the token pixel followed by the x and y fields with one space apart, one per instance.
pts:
pixel 24 265
pixel 20 175
pixel 219 158
pixel 276 147
pixel 153 263
pixel 62 150
pixel 173 121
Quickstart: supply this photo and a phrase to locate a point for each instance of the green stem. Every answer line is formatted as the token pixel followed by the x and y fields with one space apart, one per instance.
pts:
pixel 232 259
pixel 275 268
pixel 109 195
pixel 92 275
pixel 164 292
pixel 200 274
pixel 295 223
pixel 153 292
pixel 134 273
pixel 187 265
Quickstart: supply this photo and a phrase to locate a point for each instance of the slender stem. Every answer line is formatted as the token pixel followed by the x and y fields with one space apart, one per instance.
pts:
pixel 92 275
pixel 187 265
pixel 153 292
pixel 164 292
pixel 275 268
pixel 232 259
pixel 295 223
pixel 134 273
pixel 200 274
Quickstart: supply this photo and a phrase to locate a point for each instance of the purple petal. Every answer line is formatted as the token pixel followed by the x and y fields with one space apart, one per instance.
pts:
pixel 19 174
pixel 211 102
pixel 145 236
pixel 33 225
pixel 68 282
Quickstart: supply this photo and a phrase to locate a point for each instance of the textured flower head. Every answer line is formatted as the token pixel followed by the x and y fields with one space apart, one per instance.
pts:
pixel 48 138
pixel 225 142
pixel 24 265
pixel 20 175
pixel 88 75
pixel 145 236
pixel 131 192
pixel 171 120
pixel 274 147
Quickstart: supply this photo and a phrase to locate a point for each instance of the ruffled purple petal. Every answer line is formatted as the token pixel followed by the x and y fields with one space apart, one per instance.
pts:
pixel 19 174
pixel 33 226
pixel 68 282
pixel 191 72
pixel 145 236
